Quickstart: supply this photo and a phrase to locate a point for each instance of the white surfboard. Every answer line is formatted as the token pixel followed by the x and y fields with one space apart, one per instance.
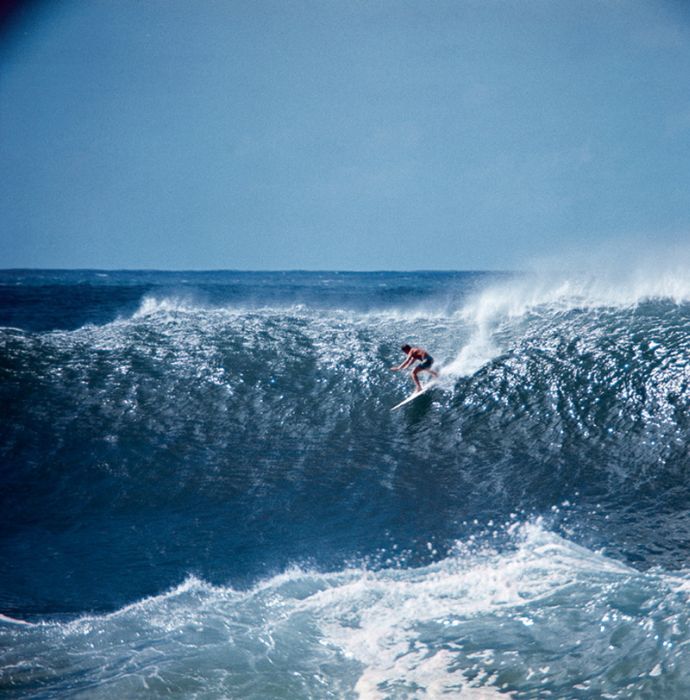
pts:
pixel 412 397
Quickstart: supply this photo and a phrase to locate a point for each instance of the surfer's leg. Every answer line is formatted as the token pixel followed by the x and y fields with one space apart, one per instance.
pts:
pixel 414 377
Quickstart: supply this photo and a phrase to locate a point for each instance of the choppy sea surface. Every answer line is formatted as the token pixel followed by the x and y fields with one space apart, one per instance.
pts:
pixel 205 494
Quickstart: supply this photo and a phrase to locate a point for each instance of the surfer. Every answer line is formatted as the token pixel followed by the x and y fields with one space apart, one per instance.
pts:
pixel 425 362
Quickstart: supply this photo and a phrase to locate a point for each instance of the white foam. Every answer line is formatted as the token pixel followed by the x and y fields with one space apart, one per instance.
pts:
pixel 386 612
pixel 380 633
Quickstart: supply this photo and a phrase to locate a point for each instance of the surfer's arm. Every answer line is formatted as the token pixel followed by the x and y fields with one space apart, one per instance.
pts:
pixel 408 361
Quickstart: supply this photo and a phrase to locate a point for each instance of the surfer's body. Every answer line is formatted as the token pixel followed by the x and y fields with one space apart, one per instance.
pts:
pixel 413 355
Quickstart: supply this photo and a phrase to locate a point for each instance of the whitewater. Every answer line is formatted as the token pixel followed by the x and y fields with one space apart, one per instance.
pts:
pixel 204 493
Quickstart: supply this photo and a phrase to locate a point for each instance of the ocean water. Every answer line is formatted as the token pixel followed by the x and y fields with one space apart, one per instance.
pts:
pixel 204 493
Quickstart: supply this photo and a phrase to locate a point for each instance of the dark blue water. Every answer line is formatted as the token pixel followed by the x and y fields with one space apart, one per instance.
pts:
pixel 205 494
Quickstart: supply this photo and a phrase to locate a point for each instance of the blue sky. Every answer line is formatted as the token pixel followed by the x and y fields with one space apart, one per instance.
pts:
pixel 341 134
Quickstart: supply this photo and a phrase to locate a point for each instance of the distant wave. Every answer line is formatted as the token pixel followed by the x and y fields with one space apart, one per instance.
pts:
pixel 167 305
pixel 152 304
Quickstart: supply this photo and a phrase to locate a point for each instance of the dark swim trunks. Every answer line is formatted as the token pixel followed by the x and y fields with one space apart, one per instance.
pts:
pixel 426 362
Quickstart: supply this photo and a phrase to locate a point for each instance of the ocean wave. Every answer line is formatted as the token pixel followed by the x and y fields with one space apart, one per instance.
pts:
pixel 542 617
pixel 236 425
pixel 243 428
pixel 600 391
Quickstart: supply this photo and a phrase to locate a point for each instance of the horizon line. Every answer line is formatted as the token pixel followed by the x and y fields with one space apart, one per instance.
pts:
pixel 272 270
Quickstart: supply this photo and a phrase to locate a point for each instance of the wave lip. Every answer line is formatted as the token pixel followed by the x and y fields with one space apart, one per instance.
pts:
pixel 543 617
pixel 501 308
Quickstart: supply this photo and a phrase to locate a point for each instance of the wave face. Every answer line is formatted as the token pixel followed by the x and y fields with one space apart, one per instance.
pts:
pixel 521 530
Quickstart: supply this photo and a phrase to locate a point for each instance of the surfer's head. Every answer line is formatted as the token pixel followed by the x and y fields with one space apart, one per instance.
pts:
pixel 406 348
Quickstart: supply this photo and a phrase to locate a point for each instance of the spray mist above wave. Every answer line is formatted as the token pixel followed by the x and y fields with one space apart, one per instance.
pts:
pixel 475 623
pixel 566 292
pixel 510 306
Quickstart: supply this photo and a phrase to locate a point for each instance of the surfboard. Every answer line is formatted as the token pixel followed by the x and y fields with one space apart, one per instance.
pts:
pixel 416 394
